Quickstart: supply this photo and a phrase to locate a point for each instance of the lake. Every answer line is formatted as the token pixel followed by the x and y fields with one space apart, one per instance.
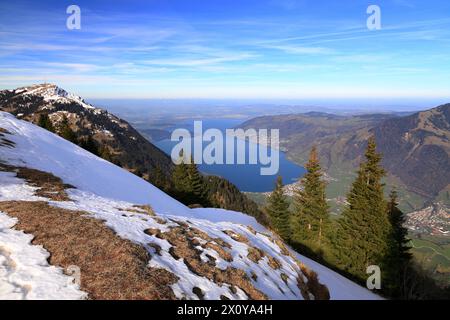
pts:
pixel 246 177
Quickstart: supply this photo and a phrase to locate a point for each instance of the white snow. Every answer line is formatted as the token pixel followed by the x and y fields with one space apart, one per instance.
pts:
pixel 13 188
pixel 40 149
pixel 25 272
pixel 103 189
pixel 52 93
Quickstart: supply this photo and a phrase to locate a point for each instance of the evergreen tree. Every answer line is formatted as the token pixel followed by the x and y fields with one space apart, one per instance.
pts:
pixel 196 185
pixel 399 259
pixel 45 122
pixel 159 179
pixel 90 145
pixel 311 220
pixel 66 132
pixel 105 153
pixel 364 228
pixel 189 184
pixel 278 210
pixel 180 177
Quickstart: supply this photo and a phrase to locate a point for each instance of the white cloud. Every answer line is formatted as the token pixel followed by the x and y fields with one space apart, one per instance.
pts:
pixel 292 49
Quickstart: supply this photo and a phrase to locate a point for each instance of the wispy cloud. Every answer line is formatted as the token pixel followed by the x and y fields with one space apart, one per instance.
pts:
pixel 269 48
pixel 293 49
pixel 177 62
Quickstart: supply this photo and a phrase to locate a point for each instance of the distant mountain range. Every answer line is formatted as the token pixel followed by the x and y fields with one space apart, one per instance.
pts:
pixel 415 148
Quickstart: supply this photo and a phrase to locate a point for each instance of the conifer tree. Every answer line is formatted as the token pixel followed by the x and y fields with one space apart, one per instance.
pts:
pixel 66 132
pixel 90 145
pixel 45 122
pixel 311 218
pixel 158 179
pixel 180 176
pixel 364 228
pixel 189 183
pixel 196 184
pixel 105 153
pixel 399 258
pixel 278 210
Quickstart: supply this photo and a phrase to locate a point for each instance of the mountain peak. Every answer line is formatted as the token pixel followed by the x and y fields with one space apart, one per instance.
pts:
pixel 52 93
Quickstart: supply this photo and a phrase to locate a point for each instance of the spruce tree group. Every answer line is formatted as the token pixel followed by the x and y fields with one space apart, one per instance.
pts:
pixel 90 145
pixel 369 232
pixel 45 122
pixel 364 228
pixel 66 132
pixel 311 222
pixel 158 179
pixel 189 185
pixel 278 211
pixel 398 259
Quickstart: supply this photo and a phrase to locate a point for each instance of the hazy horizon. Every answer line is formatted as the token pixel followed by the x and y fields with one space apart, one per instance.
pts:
pixel 370 105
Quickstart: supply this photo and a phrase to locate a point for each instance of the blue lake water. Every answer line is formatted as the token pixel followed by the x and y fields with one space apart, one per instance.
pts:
pixel 247 177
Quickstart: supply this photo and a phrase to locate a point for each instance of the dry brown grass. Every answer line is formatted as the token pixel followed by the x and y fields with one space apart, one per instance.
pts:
pixel 256 254
pixel 146 208
pixel 274 263
pixel 284 277
pixel 111 267
pixel 184 246
pixel 319 291
pixel 4 142
pixel 303 288
pixel 236 236
pixel 50 186
pixel 282 247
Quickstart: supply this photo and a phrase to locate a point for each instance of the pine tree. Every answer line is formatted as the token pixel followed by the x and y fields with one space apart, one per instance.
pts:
pixel 45 122
pixel 278 210
pixel 196 185
pixel 90 145
pixel 399 259
pixel 189 184
pixel 105 153
pixel 66 132
pixel 364 228
pixel 180 176
pixel 311 220
pixel 158 179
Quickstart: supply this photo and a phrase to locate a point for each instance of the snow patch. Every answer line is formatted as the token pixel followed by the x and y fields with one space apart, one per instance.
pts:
pixel 24 271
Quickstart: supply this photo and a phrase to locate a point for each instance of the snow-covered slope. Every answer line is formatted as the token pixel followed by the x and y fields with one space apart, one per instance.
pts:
pixel 107 192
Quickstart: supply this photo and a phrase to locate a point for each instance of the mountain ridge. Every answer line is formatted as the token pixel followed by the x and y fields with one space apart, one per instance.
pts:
pixel 124 143
pixel 415 148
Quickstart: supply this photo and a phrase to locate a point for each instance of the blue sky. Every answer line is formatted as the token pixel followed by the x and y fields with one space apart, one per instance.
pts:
pixel 265 49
